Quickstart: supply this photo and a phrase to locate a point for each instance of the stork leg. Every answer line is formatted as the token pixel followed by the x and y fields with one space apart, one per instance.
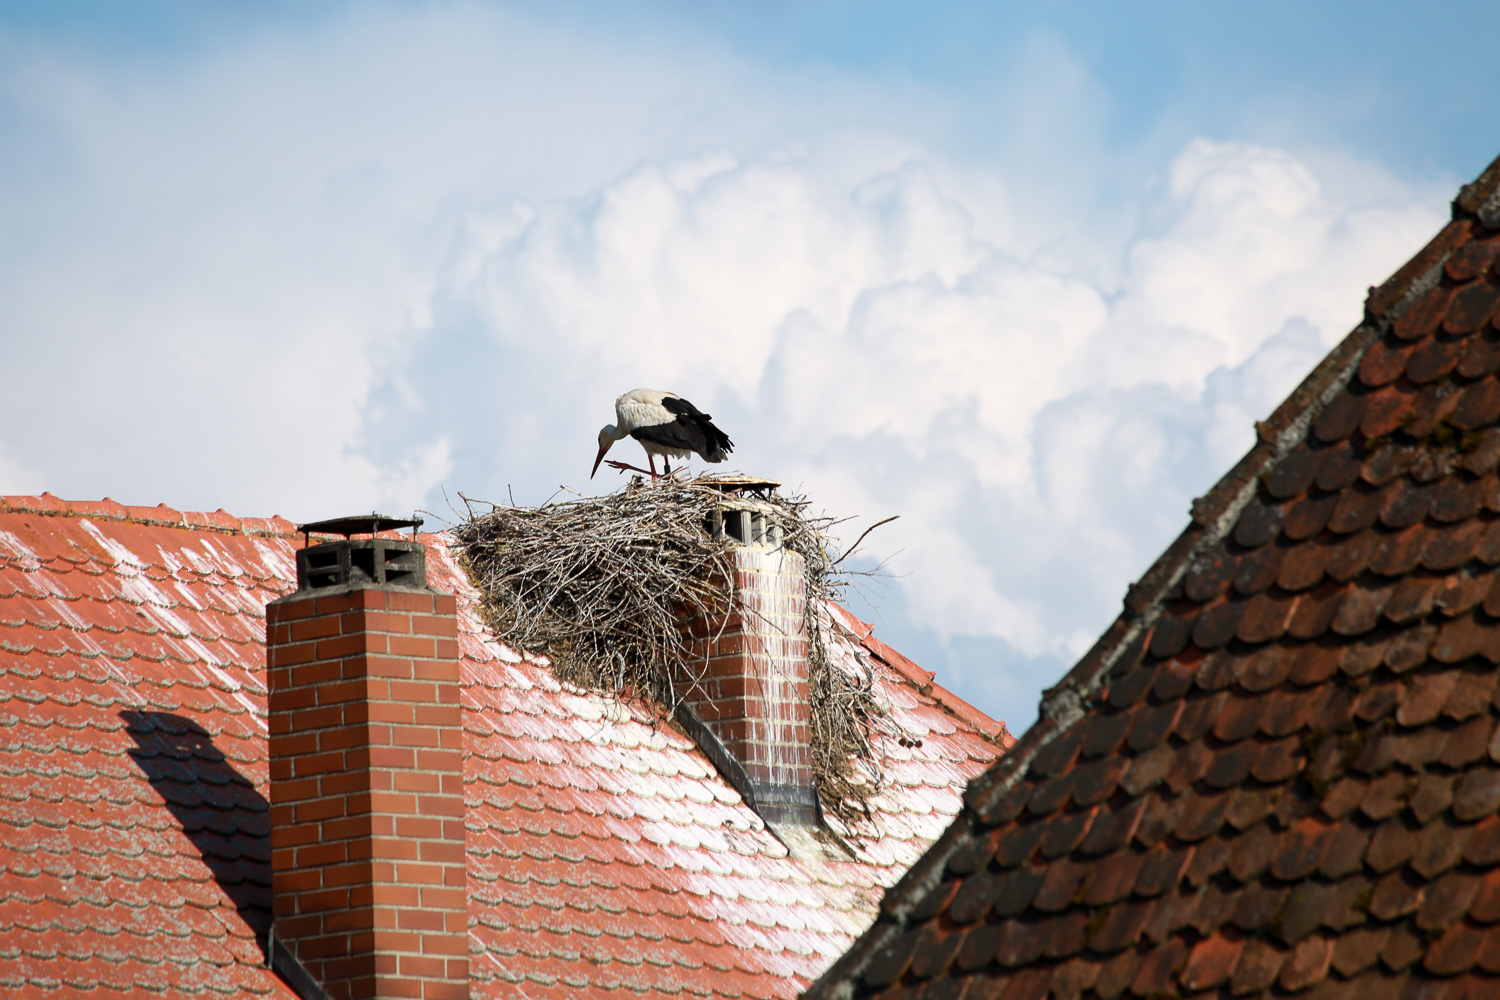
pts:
pixel 625 467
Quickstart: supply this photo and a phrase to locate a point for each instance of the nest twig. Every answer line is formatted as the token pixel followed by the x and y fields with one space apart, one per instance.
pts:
pixel 604 586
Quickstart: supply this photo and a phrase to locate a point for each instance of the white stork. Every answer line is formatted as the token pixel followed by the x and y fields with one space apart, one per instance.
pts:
pixel 665 424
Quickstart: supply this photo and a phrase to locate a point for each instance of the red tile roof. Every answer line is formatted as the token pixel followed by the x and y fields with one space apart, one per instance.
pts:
pixel 606 855
pixel 1279 770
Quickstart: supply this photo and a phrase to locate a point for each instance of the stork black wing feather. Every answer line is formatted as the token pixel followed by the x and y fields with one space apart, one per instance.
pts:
pixel 690 432
pixel 719 445
pixel 671 435
pixel 681 407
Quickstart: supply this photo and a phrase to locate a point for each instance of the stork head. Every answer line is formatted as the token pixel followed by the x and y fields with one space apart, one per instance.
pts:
pixel 607 437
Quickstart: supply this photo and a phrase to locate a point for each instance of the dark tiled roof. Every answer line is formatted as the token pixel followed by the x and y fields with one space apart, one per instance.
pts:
pixel 1277 771
pixel 606 855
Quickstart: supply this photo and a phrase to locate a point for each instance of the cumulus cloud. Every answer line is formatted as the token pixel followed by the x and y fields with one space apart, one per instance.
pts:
pixel 202 258
pixel 421 249
pixel 1039 432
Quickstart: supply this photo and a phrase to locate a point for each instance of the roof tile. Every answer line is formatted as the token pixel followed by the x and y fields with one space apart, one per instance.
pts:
pixel 1151 725
pixel 1425 697
pixel 1115 828
pixel 1188 765
pixel 1017 891
pixel 1258 570
pixel 1386 409
pixel 1238 717
pixel 1385 362
pixel 1489 954
pixel 1406 503
pixel 1307 964
pixel 1217 623
pixel 1395 896
pixel 1441 847
pixel 1168 638
pixel 1257 967
pixel 1303 567
pixel 1264 618
pixel 1446 901
pixel 1340 418
pixel 1021 943
pixel 1471 987
pixel 1472 260
pixel 979 946
pixel 1120 928
pixel 1433 359
pixel 1156 971
pixel 1402 947
pixel 1065 832
pixel 1340 467
pixel 1258 523
pixel 1466 746
pixel 1470 307
pixel 1115 973
pixel 1358 950
pixel 1456 951
pixel 1481 356
pixel 1434 405
pixel 1198 715
pixel 1294 476
pixel 1351 557
pixel 1210 575
pixel 1212 961
pixel 1460 592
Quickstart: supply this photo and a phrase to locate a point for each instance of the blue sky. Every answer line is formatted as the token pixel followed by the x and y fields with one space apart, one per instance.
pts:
pixel 1386 78
pixel 1023 274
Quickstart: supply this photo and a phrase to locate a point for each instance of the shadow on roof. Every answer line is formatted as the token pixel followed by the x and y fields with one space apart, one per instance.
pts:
pixel 220 811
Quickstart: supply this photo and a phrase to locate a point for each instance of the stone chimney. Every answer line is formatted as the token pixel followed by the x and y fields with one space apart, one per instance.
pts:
pixel 745 697
pixel 367 813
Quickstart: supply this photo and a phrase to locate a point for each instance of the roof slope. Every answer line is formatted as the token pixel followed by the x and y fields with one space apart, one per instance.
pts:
pixel 605 854
pixel 1277 771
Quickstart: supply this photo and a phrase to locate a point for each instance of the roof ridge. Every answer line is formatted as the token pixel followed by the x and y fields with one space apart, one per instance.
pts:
pixel 918 677
pixel 160 516
pixel 923 681
pixel 1481 199
pixel 1213 517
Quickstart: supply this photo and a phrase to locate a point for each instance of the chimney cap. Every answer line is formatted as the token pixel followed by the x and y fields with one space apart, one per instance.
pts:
pixel 736 483
pixel 359 524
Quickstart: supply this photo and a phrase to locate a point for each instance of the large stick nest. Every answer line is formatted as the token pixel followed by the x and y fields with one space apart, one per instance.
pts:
pixel 603 587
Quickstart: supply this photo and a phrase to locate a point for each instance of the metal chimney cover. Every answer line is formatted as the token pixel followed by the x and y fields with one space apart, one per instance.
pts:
pixel 360 524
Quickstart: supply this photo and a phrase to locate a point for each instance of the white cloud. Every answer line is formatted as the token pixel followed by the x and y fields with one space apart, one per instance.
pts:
pixel 415 247
pixel 1039 433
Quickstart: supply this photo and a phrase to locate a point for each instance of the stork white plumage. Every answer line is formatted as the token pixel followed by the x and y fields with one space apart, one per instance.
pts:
pixel 665 424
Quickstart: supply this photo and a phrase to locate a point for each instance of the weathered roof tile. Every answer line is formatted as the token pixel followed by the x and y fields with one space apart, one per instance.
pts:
pixel 133 756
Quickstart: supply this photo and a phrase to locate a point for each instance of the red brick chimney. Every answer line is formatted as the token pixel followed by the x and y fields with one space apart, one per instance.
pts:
pixel 747 682
pixel 367 813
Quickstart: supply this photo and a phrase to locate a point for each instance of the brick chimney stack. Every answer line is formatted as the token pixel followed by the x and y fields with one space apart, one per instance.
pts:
pixel 367 814
pixel 746 678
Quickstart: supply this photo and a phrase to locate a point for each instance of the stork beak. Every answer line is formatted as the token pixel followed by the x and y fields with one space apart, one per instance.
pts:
pixel 599 458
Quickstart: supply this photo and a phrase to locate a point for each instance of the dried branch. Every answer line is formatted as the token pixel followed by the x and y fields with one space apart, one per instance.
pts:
pixel 862 536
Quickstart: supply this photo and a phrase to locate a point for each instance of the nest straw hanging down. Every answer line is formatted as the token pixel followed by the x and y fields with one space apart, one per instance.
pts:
pixel 602 587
